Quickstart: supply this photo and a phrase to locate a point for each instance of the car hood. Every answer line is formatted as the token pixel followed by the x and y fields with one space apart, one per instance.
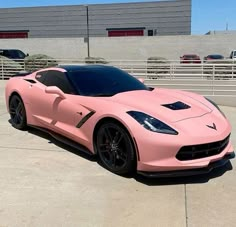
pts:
pixel 171 105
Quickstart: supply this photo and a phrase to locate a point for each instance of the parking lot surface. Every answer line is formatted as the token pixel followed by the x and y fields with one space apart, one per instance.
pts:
pixel 44 183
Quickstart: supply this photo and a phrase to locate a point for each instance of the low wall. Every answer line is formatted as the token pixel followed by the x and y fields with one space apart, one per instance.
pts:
pixel 132 48
pixel 224 101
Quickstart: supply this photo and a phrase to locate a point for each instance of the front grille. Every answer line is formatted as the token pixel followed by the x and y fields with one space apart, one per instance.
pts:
pixel 202 150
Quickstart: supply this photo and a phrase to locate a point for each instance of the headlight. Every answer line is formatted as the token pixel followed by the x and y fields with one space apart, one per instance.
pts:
pixel 151 123
pixel 216 106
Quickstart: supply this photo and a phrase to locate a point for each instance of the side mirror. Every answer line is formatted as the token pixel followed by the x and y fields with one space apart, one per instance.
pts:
pixel 56 91
pixel 27 55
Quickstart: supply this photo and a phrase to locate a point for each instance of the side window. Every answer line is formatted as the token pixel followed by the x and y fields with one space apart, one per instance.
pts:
pixel 58 79
pixel 20 54
pixel 40 76
pixel 6 53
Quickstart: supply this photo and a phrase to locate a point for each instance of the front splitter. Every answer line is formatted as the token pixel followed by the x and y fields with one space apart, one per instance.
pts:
pixel 190 172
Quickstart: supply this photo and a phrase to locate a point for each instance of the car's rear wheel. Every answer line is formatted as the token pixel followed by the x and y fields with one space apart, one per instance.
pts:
pixel 115 148
pixel 17 112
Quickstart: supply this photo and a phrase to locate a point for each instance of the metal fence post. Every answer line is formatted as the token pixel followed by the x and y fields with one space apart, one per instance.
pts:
pixel 146 74
pixel 213 81
pixel 24 65
pixel 2 69
pixel 232 71
pixel 202 70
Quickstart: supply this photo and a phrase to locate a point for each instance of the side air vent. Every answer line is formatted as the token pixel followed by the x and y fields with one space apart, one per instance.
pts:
pixel 177 106
pixel 30 81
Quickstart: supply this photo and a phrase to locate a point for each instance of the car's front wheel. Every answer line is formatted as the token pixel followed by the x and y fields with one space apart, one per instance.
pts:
pixel 115 148
pixel 17 112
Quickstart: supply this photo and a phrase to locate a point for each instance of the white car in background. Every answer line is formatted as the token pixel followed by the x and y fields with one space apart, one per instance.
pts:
pixel 233 55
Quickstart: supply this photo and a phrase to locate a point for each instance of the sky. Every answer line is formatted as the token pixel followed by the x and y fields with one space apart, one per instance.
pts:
pixel 207 15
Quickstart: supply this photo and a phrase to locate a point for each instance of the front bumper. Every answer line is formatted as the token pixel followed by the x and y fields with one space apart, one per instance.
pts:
pixel 190 172
pixel 158 152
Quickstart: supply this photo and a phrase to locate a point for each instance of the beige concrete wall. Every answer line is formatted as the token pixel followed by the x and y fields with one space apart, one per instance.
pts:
pixel 135 48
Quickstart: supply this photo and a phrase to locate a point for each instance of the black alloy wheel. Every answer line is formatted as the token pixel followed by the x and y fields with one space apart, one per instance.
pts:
pixel 115 148
pixel 17 112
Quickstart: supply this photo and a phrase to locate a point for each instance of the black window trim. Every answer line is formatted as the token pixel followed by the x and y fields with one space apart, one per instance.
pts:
pixel 66 76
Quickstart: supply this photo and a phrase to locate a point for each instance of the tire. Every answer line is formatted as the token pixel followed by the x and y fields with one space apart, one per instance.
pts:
pixel 17 113
pixel 115 148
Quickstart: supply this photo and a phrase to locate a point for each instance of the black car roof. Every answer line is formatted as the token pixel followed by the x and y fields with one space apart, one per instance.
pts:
pixel 215 55
pixel 9 49
pixel 71 68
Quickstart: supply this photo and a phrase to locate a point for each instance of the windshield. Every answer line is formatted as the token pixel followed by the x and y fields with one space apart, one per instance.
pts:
pixel 103 81
pixel 215 56
pixel 17 54
pixel 190 57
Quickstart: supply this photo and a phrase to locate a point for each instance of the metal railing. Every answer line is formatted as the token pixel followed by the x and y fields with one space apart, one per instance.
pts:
pixel 210 78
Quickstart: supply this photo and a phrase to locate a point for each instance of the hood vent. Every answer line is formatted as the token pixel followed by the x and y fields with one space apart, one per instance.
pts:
pixel 177 106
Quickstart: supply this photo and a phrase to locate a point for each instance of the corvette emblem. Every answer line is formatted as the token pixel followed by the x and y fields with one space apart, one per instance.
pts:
pixel 212 126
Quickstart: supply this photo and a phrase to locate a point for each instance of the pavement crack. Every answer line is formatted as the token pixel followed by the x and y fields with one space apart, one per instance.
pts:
pixel 25 148
pixel 186 205
pixel 2 114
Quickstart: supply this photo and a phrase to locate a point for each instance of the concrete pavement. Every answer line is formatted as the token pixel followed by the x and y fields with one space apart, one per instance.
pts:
pixel 44 183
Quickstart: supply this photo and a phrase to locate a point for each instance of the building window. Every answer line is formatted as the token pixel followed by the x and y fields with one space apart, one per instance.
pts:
pixel 150 32
pixel 13 34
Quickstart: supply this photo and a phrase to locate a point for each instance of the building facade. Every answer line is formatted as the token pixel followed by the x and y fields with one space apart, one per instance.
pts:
pixel 157 18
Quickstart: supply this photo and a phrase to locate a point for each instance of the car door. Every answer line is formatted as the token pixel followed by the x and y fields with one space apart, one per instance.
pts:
pixel 60 114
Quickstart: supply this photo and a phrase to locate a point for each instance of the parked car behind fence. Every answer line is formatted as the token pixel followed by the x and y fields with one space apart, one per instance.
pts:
pixel 190 58
pixel 13 53
pixel 214 57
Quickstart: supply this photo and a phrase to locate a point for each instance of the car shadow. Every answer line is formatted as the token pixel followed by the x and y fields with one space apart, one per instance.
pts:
pixel 196 179
pixel 62 145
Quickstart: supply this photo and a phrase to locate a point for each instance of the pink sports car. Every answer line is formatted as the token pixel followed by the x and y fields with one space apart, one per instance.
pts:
pixel 104 110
